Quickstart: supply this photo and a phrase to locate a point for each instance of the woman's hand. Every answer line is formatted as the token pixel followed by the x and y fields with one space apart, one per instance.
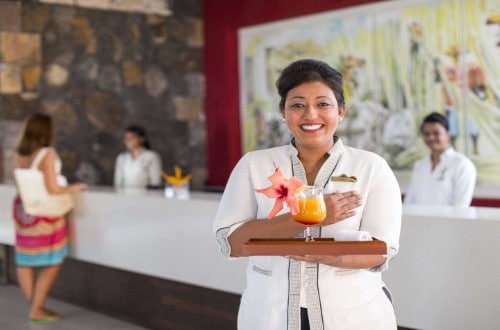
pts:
pixel 76 187
pixel 340 206
pixel 344 261
pixel 329 260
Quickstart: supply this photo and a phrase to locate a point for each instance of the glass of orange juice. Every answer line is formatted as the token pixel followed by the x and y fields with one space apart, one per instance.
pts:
pixel 312 209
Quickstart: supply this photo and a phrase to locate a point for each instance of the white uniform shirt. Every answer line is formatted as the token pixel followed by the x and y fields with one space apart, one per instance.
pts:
pixel 452 181
pixel 342 298
pixel 145 170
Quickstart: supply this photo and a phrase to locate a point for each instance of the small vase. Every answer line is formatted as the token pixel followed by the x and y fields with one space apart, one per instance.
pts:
pixel 177 192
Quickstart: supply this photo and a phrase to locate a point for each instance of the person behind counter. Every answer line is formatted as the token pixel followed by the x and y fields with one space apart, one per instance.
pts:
pixel 316 291
pixel 138 167
pixel 445 177
pixel 41 241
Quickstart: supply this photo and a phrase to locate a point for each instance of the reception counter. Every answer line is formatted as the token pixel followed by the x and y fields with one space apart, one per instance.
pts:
pixel 146 233
pixel 146 259
pixel 445 276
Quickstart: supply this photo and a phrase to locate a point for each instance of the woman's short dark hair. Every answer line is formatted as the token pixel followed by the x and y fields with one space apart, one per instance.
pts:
pixel 140 132
pixel 435 117
pixel 309 70
pixel 36 133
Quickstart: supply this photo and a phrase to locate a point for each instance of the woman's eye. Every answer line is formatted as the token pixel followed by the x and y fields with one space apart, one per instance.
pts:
pixel 297 105
pixel 323 104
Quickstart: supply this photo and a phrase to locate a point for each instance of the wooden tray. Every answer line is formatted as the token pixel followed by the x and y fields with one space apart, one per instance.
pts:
pixel 320 246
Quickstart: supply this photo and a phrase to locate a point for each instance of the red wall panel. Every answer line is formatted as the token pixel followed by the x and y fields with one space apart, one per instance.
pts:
pixel 222 20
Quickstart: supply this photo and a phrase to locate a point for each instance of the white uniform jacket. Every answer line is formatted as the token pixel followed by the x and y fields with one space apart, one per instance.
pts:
pixel 336 298
pixel 452 181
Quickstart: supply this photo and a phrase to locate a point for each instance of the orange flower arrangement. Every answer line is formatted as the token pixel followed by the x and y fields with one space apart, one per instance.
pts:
pixel 177 180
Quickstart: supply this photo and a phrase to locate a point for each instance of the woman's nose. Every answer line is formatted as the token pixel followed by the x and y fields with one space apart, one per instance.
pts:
pixel 310 112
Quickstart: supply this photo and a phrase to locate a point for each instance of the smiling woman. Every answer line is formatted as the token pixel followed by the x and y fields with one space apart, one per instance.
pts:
pixel 295 291
pixel 312 114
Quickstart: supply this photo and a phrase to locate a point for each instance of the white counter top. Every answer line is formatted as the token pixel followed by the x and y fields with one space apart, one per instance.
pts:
pixel 482 213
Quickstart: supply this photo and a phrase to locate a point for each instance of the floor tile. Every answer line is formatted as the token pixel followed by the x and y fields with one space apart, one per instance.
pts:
pixel 14 315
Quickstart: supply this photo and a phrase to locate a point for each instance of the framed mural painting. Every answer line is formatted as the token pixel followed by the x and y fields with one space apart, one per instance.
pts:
pixel 400 60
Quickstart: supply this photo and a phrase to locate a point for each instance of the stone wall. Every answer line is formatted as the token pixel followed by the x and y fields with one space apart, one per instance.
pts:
pixel 97 71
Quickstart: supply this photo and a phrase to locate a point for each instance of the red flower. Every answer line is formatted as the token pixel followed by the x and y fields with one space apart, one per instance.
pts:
pixel 284 190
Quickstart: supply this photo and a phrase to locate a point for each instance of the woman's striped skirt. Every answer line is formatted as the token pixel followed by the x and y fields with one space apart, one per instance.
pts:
pixel 40 241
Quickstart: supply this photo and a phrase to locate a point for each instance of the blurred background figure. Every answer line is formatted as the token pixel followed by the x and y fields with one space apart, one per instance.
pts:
pixel 41 241
pixel 138 167
pixel 445 177
pixel 460 60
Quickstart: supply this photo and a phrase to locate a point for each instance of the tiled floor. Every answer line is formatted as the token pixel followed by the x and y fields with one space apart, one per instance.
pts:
pixel 14 311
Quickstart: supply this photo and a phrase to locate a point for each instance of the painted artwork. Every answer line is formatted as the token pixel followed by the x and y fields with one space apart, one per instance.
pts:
pixel 400 60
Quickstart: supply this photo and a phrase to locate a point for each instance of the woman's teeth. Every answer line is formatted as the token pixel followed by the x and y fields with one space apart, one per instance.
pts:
pixel 310 127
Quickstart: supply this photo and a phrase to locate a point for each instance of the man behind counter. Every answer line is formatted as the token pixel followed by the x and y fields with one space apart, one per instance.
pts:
pixel 445 177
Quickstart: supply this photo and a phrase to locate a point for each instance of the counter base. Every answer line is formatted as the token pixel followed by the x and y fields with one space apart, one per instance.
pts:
pixel 148 301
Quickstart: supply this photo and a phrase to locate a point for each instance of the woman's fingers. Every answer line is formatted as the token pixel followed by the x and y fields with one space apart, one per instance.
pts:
pixel 345 215
pixel 340 206
pixel 322 259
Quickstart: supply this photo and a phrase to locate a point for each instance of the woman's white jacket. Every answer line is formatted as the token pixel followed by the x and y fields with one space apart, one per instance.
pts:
pixel 336 298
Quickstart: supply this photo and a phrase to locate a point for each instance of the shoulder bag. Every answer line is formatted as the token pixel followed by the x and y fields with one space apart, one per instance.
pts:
pixel 34 195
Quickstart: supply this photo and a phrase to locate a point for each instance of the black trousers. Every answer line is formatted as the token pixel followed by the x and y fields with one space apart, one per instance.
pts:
pixel 304 319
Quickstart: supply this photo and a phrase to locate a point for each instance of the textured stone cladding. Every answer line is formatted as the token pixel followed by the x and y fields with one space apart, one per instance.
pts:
pixel 98 71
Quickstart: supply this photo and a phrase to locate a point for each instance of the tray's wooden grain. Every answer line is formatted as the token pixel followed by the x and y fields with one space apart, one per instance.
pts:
pixel 321 246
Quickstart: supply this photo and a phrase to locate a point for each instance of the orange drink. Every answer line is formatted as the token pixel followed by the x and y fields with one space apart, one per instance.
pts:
pixel 311 211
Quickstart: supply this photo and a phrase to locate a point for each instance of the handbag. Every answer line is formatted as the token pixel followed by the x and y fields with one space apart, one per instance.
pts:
pixel 34 195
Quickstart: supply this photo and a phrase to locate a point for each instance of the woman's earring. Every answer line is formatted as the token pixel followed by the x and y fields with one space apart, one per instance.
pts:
pixel 284 120
pixel 341 118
